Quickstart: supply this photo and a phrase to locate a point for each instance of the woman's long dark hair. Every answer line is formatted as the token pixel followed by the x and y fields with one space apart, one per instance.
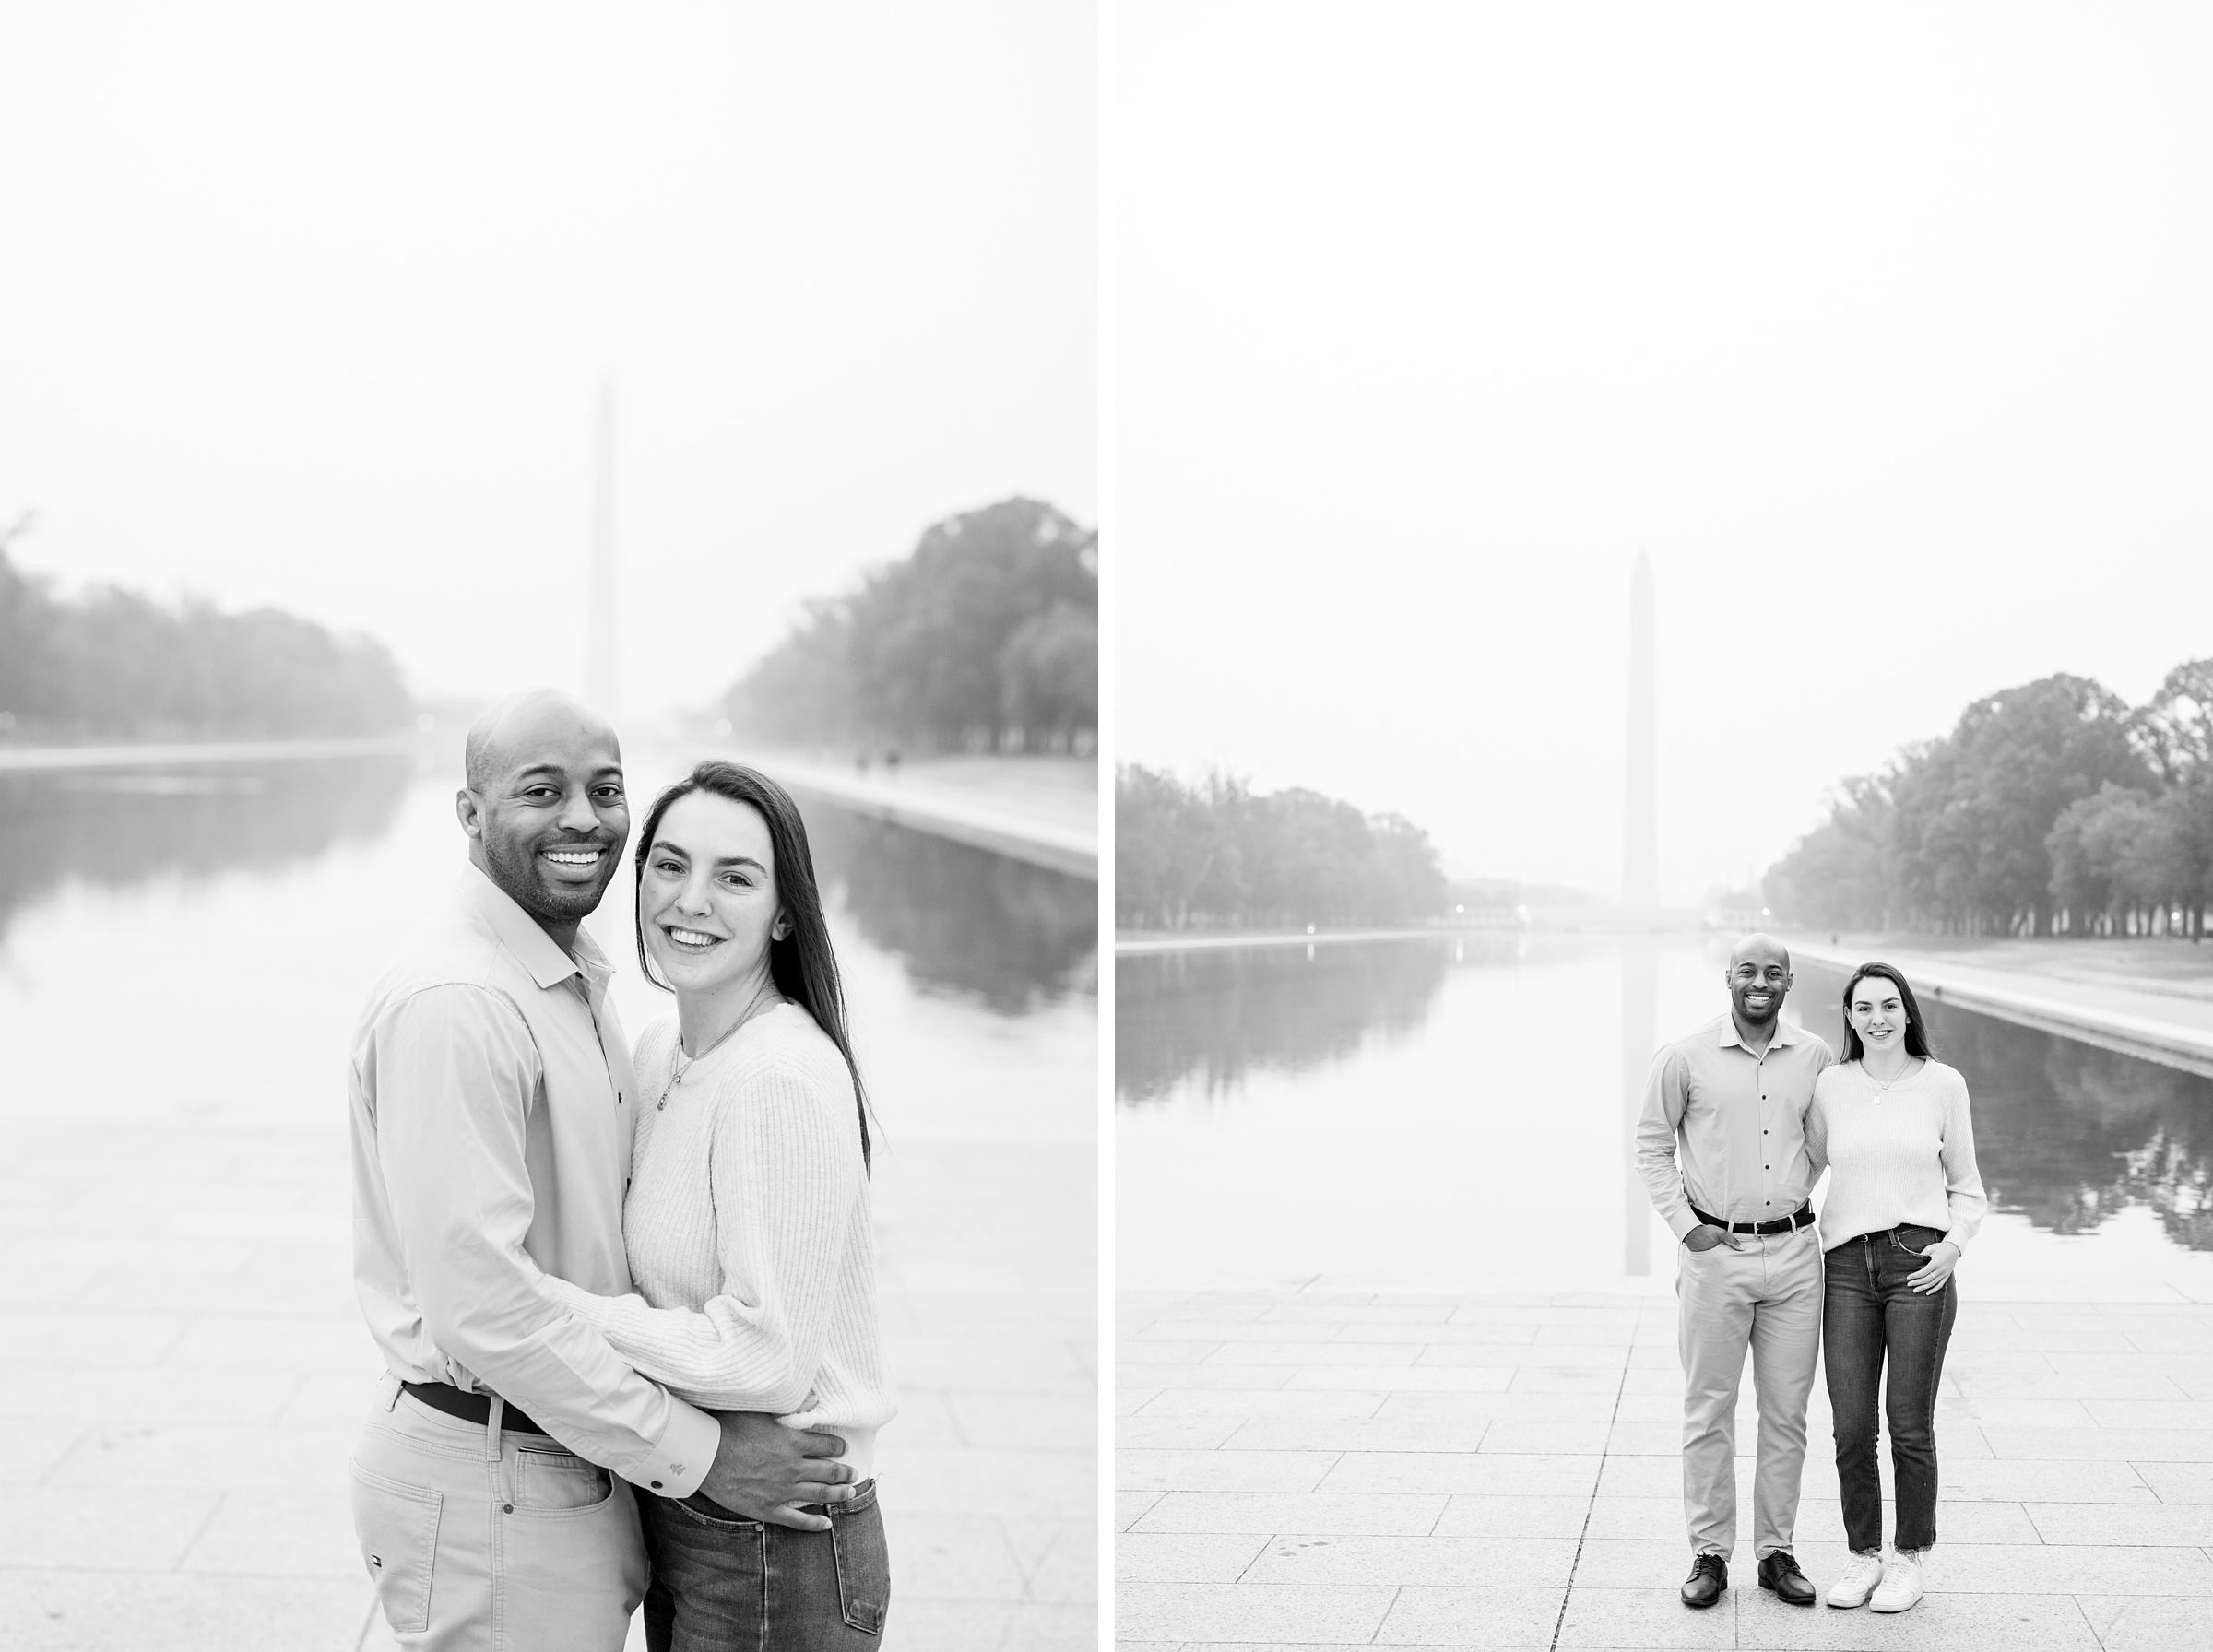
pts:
pixel 802 964
pixel 1917 1037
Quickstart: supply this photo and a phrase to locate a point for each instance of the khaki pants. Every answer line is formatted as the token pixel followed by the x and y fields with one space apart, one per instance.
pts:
pixel 482 1540
pixel 1766 1297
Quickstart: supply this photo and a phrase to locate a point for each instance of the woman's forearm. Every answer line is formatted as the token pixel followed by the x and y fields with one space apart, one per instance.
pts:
pixel 724 1356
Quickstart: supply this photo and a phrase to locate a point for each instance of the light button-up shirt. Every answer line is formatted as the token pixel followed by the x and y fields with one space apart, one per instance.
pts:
pixel 491 1104
pixel 1725 1129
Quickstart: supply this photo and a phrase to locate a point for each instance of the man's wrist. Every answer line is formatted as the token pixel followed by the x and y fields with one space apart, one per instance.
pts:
pixel 684 1455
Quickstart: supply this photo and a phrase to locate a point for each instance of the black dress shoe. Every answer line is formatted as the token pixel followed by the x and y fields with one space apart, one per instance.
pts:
pixel 1708 1576
pixel 1779 1572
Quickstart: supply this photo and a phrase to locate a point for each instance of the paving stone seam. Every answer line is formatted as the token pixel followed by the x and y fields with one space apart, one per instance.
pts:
pixel 46 1477
pixel 1568 1594
pixel 193 1542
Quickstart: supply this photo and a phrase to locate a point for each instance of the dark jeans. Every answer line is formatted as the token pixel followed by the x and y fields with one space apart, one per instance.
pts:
pixel 720 1582
pixel 1867 1313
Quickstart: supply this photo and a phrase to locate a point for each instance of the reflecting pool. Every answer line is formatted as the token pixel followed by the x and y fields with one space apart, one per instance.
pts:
pixel 1461 1107
pixel 197 941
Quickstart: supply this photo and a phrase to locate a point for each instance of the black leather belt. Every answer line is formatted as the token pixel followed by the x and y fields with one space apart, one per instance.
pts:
pixel 1803 1217
pixel 470 1408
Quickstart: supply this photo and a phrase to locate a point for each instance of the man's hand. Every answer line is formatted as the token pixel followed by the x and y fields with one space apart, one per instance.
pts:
pixel 1705 1236
pixel 764 1470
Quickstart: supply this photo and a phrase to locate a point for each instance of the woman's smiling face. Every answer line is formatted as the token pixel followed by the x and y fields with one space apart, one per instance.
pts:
pixel 1878 1013
pixel 708 895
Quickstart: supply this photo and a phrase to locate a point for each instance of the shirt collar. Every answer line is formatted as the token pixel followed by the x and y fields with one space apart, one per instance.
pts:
pixel 520 934
pixel 1785 1033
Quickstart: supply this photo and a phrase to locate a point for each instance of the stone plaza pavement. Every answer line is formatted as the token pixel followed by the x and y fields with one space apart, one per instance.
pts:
pixel 183 1369
pixel 1339 1467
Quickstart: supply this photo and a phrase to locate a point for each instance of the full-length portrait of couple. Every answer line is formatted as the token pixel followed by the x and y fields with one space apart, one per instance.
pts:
pixel 625 1298
pixel 1740 1119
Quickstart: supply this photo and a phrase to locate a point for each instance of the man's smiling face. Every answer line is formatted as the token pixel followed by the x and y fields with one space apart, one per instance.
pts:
pixel 1759 979
pixel 545 806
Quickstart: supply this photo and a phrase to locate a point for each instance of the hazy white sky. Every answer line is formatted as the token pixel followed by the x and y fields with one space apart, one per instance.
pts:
pixel 1886 329
pixel 306 305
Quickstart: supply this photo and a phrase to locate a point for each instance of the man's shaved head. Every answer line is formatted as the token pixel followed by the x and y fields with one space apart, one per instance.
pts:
pixel 1762 949
pixel 506 724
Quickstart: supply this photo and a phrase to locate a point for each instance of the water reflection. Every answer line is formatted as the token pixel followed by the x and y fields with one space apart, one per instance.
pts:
pixel 2066 1134
pixel 1392 1096
pixel 961 919
pixel 1639 993
pixel 1214 1016
pixel 116 828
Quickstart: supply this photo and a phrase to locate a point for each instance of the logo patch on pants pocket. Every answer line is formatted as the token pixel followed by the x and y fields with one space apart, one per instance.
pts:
pixel 399 1528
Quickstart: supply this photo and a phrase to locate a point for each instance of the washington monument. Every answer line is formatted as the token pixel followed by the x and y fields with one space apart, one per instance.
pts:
pixel 599 682
pixel 1640 813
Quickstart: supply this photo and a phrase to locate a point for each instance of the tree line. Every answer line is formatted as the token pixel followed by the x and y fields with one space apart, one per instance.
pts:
pixel 2052 809
pixel 114 662
pixel 1217 855
pixel 985 638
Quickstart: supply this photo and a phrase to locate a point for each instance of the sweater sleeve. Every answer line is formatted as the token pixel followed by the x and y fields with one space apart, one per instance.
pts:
pixel 1963 1196
pixel 1816 1125
pixel 784 1179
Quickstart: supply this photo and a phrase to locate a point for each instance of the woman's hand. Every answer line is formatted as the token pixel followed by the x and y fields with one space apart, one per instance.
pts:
pixel 1943 1256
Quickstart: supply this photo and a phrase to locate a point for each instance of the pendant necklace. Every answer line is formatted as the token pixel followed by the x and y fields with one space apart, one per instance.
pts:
pixel 1883 1084
pixel 680 1064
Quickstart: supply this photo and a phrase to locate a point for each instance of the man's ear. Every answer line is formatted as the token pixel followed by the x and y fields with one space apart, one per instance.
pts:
pixel 469 812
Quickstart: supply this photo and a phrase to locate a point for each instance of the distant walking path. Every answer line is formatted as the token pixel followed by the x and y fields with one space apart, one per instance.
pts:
pixel 1042 811
pixel 1215 940
pixel 26 759
pixel 2150 999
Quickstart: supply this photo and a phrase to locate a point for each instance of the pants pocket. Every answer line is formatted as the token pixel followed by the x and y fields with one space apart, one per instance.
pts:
pixel 548 1480
pixel 864 1567
pixel 1912 1241
pixel 397 1526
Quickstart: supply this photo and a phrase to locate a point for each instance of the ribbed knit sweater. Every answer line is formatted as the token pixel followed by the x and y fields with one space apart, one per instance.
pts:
pixel 748 1228
pixel 1905 1154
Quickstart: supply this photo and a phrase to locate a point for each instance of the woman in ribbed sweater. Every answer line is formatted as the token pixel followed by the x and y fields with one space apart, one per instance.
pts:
pixel 747 1220
pixel 1904 1197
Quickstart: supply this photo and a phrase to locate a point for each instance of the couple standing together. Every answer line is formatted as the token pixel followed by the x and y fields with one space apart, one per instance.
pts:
pixel 626 1302
pixel 1740 1119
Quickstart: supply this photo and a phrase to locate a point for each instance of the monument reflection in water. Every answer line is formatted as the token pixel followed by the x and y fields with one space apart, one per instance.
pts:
pixel 1461 1107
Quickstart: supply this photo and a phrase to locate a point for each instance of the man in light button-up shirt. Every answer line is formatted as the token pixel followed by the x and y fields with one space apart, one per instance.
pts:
pixel 1721 1147
pixel 491 1104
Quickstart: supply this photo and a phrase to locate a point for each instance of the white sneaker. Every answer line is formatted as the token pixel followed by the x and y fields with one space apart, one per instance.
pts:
pixel 1900 1586
pixel 1858 1582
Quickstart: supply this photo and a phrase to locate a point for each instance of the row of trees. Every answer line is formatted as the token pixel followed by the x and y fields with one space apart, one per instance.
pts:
pixel 114 662
pixel 1218 855
pixel 2052 809
pixel 987 638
